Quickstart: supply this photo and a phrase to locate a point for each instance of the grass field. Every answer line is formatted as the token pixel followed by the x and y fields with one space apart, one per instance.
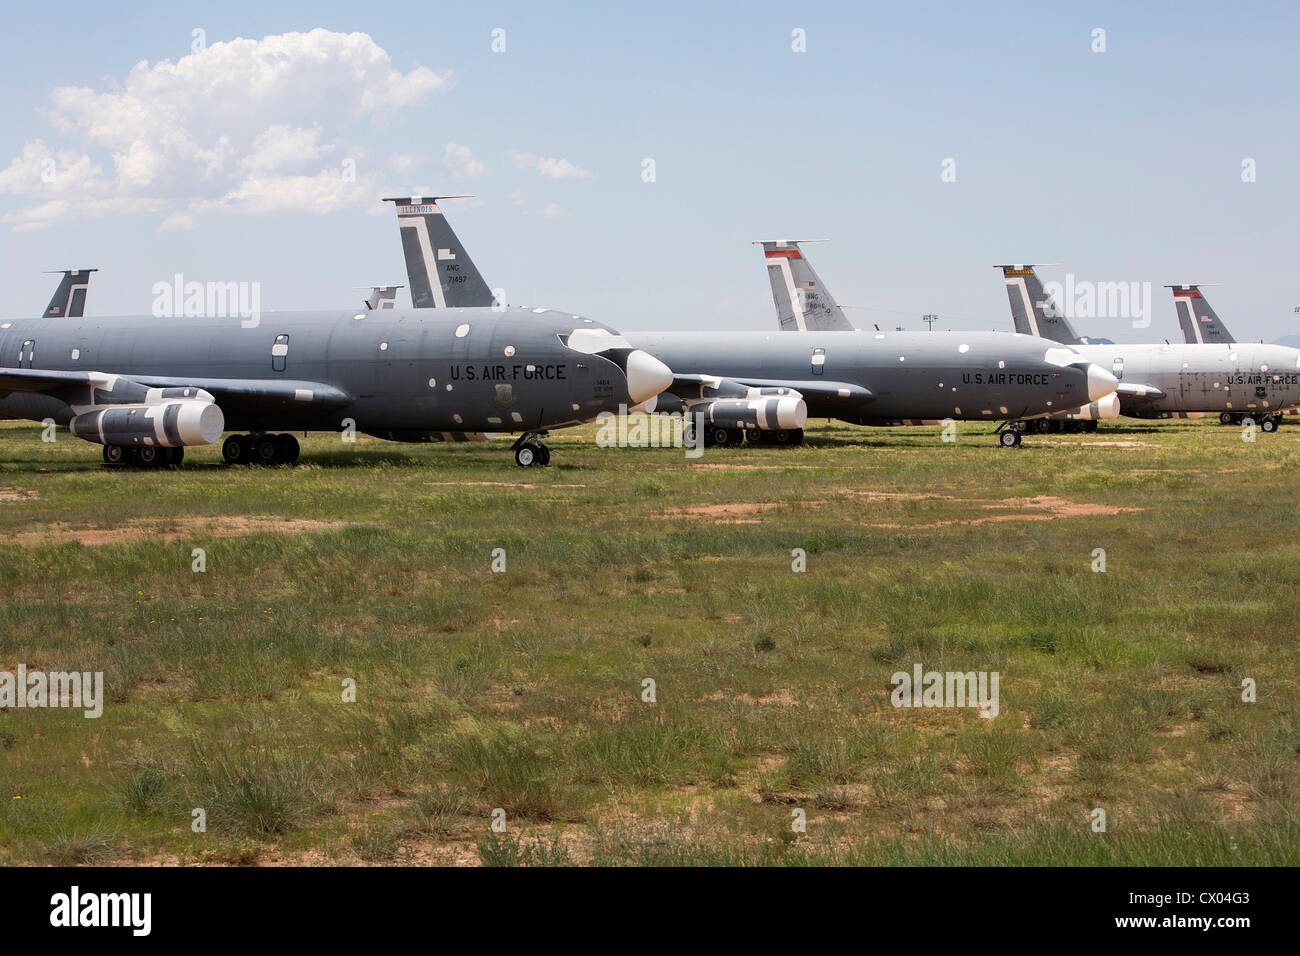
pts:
pixel 522 690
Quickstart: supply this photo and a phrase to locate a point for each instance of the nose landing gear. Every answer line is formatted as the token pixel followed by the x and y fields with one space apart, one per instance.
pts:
pixel 530 452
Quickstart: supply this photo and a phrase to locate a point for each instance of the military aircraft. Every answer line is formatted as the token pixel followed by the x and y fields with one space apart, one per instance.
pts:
pixel 762 387
pixel 803 303
pixel 1258 382
pixel 146 388
pixel 69 300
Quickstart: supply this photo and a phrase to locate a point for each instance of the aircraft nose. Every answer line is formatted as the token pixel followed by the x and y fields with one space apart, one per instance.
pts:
pixel 1100 382
pixel 646 376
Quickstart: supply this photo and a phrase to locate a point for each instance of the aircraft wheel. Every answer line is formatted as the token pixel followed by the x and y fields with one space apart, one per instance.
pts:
pixel 287 450
pixel 545 458
pixel 1009 438
pixel 1042 426
pixel 146 456
pixel 172 457
pixel 1268 425
pixel 234 450
pixel 796 436
pixel 265 450
pixel 528 454
pixel 115 455
pixel 758 436
pixel 1090 426
pixel 1225 418
pixel 1018 427
pixel 723 437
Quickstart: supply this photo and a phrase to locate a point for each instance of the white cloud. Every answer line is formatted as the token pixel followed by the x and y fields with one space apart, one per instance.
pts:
pixel 553 210
pixel 460 162
pixel 245 126
pixel 548 166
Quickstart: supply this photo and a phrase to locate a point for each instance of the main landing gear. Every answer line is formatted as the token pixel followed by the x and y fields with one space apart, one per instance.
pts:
pixel 144 456
pixel 260 449
pixel 775 436
pixel 718 436
pixel 529 451
pixel 1268 423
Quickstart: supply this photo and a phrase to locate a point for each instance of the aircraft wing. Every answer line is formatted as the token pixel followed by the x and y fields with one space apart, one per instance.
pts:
pixel 1134 392
pixel 835 392
pixel 246 392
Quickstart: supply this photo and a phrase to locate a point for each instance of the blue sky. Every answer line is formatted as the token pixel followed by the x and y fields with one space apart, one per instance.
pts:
pixel 1121 166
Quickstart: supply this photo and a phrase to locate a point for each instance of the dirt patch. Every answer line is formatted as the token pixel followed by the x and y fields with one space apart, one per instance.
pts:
pixel 1115 443
pixel 171 529
pixel 1041 508
pixel 16 494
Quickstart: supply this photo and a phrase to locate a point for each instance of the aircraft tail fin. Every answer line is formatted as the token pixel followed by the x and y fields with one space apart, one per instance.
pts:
pixel 1032 309
pixel 381 296
pixel 803 302
pixel 440 271
pixel 70 297
pixel 1201 325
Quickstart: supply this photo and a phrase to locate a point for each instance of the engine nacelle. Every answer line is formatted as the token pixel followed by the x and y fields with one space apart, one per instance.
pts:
pixel 775 411
pixel 190 421
pixel 1102 410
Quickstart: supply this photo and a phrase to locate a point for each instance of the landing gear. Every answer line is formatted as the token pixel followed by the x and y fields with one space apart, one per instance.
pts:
pixel 530 452
pixel 775 436
pixel 715 436
pixel 1009 438
pixel 143 456
pixel 260 449
pixel 1270 424
pixel 1042 425
pixel 1227 418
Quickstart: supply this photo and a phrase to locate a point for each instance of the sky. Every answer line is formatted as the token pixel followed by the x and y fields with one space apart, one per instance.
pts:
pixel 235 142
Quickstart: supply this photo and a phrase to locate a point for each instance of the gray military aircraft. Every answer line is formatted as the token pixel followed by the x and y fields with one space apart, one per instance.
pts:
pixel 146 387
pixel 764 386
pixel 1166 381
pixel 804 303
pixel 69 300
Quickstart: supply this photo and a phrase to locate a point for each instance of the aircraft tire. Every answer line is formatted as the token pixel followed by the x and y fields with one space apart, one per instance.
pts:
pixel 287 450
pixel 172 457
pixel 1009 438
pixel 265 450
pixel 1042 426
pixel 1225 418
pixel 234 450
pixel 146 456
pixel 528 454
pixel 1268 425
pixel 115 456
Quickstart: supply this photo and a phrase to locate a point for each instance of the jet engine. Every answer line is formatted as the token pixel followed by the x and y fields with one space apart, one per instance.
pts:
pixel 169 418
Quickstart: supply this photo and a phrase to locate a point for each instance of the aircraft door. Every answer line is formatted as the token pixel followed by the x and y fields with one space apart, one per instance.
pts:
pixel 27 354
pixel 1117 367
pixel 280 353
pixel 818 361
